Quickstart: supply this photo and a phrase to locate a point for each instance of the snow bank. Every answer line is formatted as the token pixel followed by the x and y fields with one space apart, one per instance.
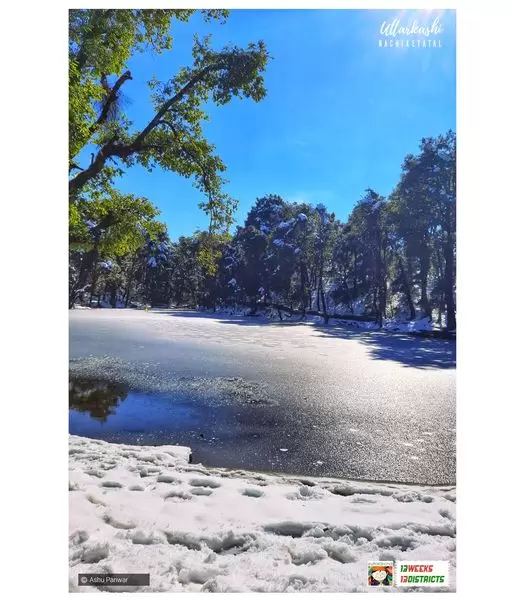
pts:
pixel 391 325
pixel 424 324
pixel 272 314
pixel 146 509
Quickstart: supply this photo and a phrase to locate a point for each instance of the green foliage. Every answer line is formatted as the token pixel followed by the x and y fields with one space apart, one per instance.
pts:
pixel 394 257
pixel 101 43
pixel 116 224
pixel 209 253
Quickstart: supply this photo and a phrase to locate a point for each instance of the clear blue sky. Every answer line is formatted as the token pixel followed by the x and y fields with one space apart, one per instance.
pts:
pixel 340 114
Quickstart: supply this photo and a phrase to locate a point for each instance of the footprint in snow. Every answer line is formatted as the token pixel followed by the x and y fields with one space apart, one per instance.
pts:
pixel 179 495
pixel 252 493
pixel 95 473
pixel 117 524
pixel 94 500
pixel 201 491
pixel 167 479
pixel 207 483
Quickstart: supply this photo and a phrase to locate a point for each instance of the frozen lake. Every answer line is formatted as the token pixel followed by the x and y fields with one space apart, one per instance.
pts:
pixel 245 393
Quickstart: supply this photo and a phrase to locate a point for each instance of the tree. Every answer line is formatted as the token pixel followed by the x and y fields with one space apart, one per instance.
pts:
pixel 324 250
pixel 258 269
pixel 401 264
pixel 394 257
pixel 425 210
pixel 107 227
pixel 367 222
pixel 101 42
pixel 185 273
pixel 300 240
pixel 347 267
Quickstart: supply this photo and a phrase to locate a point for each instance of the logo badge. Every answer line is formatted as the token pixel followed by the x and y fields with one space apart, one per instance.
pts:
pixel 380 573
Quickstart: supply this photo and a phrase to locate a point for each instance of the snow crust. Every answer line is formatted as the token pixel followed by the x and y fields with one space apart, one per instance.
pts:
pixel 147 509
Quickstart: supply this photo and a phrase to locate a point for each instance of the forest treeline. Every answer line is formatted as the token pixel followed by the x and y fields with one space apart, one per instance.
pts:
pixel 394 257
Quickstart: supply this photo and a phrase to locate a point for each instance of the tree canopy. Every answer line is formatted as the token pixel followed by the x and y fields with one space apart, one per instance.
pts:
pixel 394 256
pixel 101 42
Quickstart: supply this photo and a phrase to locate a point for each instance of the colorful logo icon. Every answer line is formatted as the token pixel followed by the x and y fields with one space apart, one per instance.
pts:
pixel 380 573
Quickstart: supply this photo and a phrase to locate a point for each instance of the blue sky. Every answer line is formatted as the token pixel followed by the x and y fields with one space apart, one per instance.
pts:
pixel 340 114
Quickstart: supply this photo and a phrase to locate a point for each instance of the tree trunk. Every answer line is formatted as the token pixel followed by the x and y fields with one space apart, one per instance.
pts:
pixel 449 283
pixel 129 283
pixel 324 306
pixel 407 290
pixel 354 279
pixel 382 302
pixel 93 259
pixel 127 295
pixel 303 288
pixel 376 304
pixel 440 313
pixel 94 281
pixel 320 290
pixel 113 296
pixel 424 302
pixel 381 279
pixel 88 261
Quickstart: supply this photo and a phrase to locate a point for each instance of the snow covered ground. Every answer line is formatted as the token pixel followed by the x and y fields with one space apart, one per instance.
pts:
pixel 136 509
pixel 396 325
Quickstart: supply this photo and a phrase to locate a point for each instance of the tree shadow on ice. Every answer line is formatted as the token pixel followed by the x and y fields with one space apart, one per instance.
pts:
pixel 221 317
pixel 406 349
pixel 411 351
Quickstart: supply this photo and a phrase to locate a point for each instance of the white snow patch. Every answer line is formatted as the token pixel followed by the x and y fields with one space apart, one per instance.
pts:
pixel 286 224
pixel 424 324
pixel 227 531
